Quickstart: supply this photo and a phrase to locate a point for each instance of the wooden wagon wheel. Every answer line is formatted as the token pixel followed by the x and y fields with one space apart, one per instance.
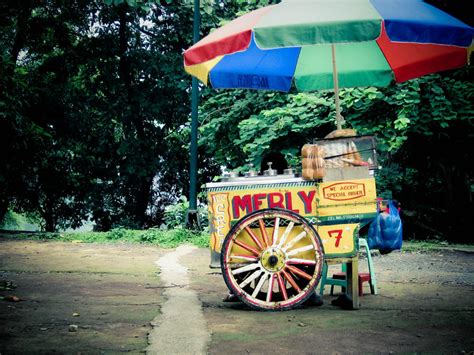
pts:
pixel 272 259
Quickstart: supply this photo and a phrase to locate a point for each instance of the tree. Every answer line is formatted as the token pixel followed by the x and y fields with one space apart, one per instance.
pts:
pixel 111 118
pixel 35 45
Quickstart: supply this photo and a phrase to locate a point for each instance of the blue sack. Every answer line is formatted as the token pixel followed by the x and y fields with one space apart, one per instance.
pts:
pixel 385 232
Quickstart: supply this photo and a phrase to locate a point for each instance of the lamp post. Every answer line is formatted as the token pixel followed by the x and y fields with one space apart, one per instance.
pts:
pixel 192 216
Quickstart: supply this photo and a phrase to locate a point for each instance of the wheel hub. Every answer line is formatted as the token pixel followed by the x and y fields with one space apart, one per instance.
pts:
pixel 273 259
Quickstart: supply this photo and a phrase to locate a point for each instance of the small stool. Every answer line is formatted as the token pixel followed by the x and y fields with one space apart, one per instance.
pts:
pixel 341 279
pixel 363 277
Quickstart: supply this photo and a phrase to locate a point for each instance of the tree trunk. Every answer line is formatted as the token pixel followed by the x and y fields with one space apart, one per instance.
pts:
pixel 142 199
pixel 3 209
pixel 50 222
pixel 50 225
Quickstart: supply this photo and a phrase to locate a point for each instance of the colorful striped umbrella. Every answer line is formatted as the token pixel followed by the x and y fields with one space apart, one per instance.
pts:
pixel 325 44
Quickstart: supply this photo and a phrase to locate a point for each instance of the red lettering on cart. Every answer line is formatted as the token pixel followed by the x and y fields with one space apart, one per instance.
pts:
pixel 337 233
pixel 307 200
pixel 289 202
pixel 257 200
pixel 241 203
pixel 343 191
pixel 245 204
pixel 275 200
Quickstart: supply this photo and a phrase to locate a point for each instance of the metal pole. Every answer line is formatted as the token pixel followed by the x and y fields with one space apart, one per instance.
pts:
pixel 339 119
pixel 192 218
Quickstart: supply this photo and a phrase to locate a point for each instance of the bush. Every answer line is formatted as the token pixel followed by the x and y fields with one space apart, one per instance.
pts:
pixel 10 221
pixel 175 215
pixel 17 221
pixel 174 237
pixel 120 234
pixel 171 238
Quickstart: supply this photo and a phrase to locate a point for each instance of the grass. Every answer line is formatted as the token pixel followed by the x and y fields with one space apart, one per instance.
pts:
pixel 433 245
pixel 159 237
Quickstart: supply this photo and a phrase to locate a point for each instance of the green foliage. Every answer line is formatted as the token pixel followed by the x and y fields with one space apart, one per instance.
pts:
pixel 120 234
pixel 174 237
pixel 16 221
pixel 250 124
pixel 93 112
pixel 11 220
pixel 423 128
pixel 144 5
pixel 175 214
pixel 160 237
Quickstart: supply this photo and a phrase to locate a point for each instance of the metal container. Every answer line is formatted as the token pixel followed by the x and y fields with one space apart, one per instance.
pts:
pixel 251 173
pixel 270 171
pixel 229 176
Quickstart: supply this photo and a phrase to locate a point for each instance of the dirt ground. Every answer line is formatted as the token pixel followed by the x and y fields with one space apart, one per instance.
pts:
pixel 425 304
pixel 110 292
pixel 113 292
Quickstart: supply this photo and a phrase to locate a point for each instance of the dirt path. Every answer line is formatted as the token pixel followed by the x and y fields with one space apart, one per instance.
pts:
pixel 426 304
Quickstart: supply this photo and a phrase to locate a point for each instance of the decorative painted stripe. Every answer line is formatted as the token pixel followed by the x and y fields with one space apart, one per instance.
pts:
pixel 344 219
pixel 261 186
pixel 363 218
pixel 313 220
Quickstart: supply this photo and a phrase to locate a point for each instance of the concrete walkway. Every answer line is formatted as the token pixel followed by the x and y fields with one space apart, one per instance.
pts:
pixel 181 327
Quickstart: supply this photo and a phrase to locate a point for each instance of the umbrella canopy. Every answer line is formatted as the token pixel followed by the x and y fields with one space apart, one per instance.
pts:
pixel 372 43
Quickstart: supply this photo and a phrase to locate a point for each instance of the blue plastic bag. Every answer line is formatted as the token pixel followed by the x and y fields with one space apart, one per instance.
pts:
pixel 385 232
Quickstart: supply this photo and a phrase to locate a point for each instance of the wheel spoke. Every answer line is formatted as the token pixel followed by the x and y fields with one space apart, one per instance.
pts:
pixel 299 272
pixel 300 250
pixel 275 231
pixel 270 287
pixel 244 257
pixel 297 261
pixel 263 232
pixel 294 241
pixel 252 277
pixel 254 238
pixel 260 284
pixel 245 268
pixel 281 286
pixel 286 233
pixel 233 266
pixel 247 247
pixel 291 280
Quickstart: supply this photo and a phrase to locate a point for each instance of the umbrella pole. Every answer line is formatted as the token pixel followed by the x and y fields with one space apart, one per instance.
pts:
pixel 339 119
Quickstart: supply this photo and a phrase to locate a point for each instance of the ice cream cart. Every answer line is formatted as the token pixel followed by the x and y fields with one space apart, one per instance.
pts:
pixel 271 234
